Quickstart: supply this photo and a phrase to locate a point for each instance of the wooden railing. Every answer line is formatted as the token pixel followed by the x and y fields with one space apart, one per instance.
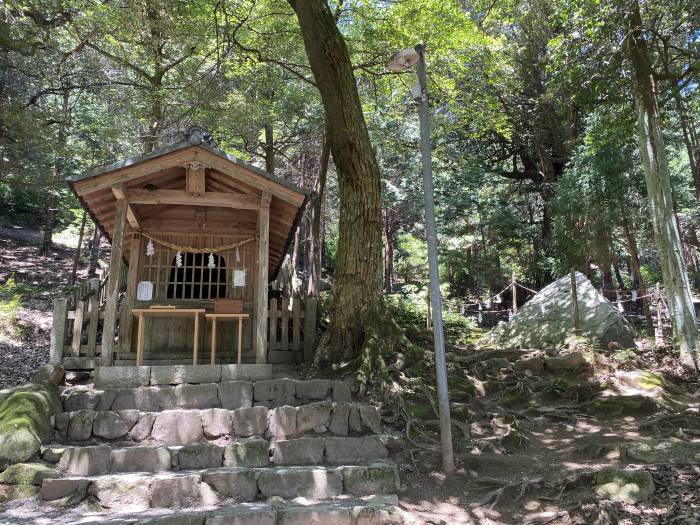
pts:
pixel 77 324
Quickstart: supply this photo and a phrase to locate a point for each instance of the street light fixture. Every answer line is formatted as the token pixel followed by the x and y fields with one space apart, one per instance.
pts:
pixel 402 61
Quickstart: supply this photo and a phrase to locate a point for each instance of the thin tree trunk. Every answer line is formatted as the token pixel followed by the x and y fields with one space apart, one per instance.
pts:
pixel 315 244
pixel 94 253
pixel 76 257
pixel 636 267
pixel 357 307
pixel 269 149
pixel 658 182
pixel 388 253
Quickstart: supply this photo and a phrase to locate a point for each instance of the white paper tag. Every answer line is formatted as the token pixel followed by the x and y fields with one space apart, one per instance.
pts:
pixel 239 278
pixel 144 291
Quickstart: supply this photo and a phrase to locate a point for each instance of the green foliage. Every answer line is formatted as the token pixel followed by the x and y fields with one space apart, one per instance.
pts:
pixel 10 303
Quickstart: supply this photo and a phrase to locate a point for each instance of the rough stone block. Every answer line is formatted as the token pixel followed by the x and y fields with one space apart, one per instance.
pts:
pixel 15 492
pixel 81 400
pixel 80 425
pixel 216 422
pixel 143 399
pixel 304 482
pixel 142 429
pixel 249 421
pixel 189 396
pixel 370 418
pixel 85 461
pixel 107 400
pixel 175 519
pixel 276 391
pixel 201 456
pixel 282 422
pixel 354 420
pixel 141 459
pixel 110 425
pixel 27 474
pixel 355 450
pixel 302 451
pixel 73 489
pixel 178 427
pixel 52 454
pixel 317 389
pixel 375 478
pixel 236 394
pixel 250 372
pixel 315 515
pixel 341 392
pixel 371 515
pixel 244 514
pixel 238 484
pixel 125 493
pixel 122 376
pixel 179 374
pixel 60 423
pixel 339 419
pixel 314 416
pixel 181 492
pixel 247 453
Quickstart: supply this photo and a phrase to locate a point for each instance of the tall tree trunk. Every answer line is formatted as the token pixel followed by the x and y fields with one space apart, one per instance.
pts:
pixel 658 182
pixel 56 176
pixel 94 253
pixel 269 149
pixel 357 309
pixel 76 256
pixel 315 244
pixel 636 267
pixel 388 253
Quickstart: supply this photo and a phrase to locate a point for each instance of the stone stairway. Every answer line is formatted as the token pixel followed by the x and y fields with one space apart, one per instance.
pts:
pixel 207 445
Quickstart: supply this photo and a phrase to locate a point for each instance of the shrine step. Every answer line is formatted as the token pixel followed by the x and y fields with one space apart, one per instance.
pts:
pixel 185 427
pixel 105 459
pixel 372 510
pixel 163 395
pixel 134 492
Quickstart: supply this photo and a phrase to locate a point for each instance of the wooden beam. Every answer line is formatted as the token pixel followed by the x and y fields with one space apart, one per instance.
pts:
pixel 132 278
pixel 189 226
pixel 112 295
pixel 262 274
pixel 119 191
pixel 195 178
pixel 179 197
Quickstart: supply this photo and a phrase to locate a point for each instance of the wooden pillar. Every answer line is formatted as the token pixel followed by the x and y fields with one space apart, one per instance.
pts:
pixel 514 292
pixel 58 331
pixel 132 281
pixel 262 274
pixel 112 295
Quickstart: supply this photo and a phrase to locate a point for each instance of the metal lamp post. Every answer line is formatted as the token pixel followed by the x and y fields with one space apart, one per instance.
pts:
pixel 402 61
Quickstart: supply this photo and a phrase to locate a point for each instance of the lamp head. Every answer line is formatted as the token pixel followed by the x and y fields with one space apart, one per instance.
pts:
pixel 403 60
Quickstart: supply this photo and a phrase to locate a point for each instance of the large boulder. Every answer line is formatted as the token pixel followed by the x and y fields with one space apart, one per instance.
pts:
pixel 546 320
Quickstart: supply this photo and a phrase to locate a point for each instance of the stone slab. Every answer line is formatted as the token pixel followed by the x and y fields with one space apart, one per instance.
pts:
pixel 375 478
pixel 244 514
pixel 233 483
pixel 178 427
pixel 177 491
pixel 236 394
pixel 355 450
pixel 247 453
pixel 216 422
pixel 293 482
pixel 315 515
pixel 313 389
pixel 249 421
pixel 126 493
pixel 141 459
pixel 189 396
pixel 248 372
pixel 54 489
pixel 85 461
pixel 314 416
pixel 200 456
pixel 278 392
pixel 122 376
pixel 282 422
pixel 302 451
pixel 143 399
pixel 179 374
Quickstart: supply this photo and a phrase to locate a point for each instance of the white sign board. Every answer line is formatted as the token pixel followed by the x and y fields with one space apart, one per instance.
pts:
pixel 239 278
pixel 144 291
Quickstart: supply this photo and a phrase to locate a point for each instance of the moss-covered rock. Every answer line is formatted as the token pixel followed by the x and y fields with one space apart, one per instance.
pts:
pixel 27 474
pixel 628 486
pixel 13 492
pixel 671 450
pixel 622 406
pixel 25 421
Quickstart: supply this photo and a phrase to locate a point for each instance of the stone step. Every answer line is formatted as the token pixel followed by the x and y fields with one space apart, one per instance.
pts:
pixel 103 459
pixel 136 492
pixel 185 427
pixel 373 510
pixel 198 391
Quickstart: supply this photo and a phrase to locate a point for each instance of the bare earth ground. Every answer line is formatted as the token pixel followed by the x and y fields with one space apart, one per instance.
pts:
pixel 527 458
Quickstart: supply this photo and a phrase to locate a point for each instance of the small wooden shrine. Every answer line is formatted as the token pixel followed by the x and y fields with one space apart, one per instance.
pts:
pixel 201 235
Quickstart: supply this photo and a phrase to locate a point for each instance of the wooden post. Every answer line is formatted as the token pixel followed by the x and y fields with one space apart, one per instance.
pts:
pixel 94 312
pixel 77 328
pixel 514 289
pixel 195 351
pixel 284 322
pixel 132 281
pixel 139 339
pixel 112 292
pixel 261 285
pixel 310 329
pixel 273 324
pixel 659 328
pixel 58 331
pixel 574 302
pixel 296 324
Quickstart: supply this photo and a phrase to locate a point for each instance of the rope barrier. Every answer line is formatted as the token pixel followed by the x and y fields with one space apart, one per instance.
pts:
pixel 192 249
